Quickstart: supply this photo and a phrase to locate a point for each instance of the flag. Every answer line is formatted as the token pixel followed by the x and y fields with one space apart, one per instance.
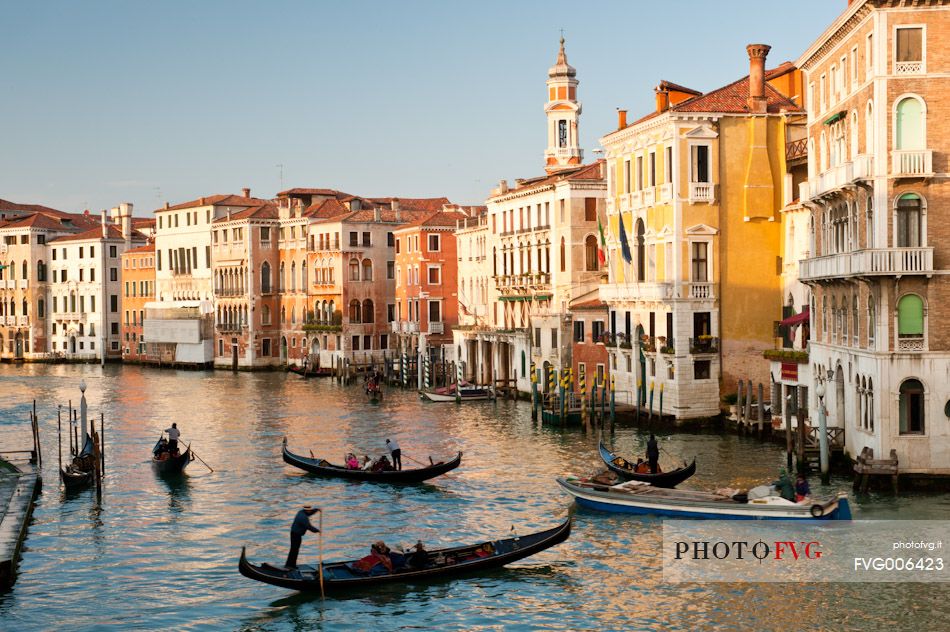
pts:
pixel 624 244
pixel 601 257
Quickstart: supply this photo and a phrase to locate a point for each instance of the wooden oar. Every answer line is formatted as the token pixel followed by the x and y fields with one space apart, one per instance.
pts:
pixel 320 539
pixel 200 459
pixel 424 465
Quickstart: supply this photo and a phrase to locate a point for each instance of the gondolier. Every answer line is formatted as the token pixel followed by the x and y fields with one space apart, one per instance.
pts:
pixel 173 434
pixel 297 530
pixel 395 452
pixel 653 454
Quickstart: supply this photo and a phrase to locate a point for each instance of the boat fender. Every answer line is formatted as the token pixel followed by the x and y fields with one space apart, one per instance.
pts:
pixel 817 510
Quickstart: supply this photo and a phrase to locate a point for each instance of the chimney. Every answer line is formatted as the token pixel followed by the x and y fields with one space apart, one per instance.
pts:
pixel 503 187
pixel 621 118
pixel 167 206
pixel 395 207
pixel 125 222
pixel 662 99
pixel 298 207
pixel 758 103
pixel 377 214
pixel 105 226
pixel 202 201
pixel 246 191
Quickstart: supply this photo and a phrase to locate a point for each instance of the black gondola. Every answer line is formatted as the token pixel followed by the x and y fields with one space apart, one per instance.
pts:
pixel 173 464
pixel 323 467
pixel 82 470
pixel 623 468
pixel 303 371
pixel 443 563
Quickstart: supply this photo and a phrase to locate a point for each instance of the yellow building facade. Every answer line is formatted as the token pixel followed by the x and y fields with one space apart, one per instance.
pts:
pixel 695 270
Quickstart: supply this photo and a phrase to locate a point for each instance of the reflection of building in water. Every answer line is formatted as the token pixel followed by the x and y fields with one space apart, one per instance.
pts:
pixel 179 332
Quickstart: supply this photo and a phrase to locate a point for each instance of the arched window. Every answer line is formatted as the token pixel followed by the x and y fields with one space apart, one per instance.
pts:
pixel 641 252
pixel 909 124
pixel 367 270
pixel 293 276
pixel 494 261
pixel 283 315
pixel 872 321
pixel 869 129
pixel 24 268
pixel 869 222
pixel 24 306
pixel 265 315
pixel 293 315
pixel 563 256
pixel 355 316
pixel 590 254
pixel 854 317
pixel 40 272
pixel 823 153
pixel 265 278
pixel 40 309
pixel 281 280
pixel 354 270
pixel 368 312
pixel 854 134
pixel 303 276
pixel 910 321
pixel 812 158
pixel 911 407
pixel 909 221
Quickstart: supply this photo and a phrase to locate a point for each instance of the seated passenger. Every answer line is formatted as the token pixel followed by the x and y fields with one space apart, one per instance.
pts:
pixel 377 562
pixel 642 467
pixel 351 462
pixel 383 465
pixel 419 558
pixel 367 463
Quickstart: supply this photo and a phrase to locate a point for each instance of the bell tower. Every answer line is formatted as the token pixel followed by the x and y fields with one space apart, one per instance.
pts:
pixel 563 112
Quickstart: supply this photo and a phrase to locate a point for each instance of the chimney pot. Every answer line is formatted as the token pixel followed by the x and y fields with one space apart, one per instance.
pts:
pixel 246 191
pixel 202 201
pixel 167 206
pixel 621 118
pixel 758 102
pixel 662 99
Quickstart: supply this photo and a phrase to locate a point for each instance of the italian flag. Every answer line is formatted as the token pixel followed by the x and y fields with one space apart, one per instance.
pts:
pixel 601 256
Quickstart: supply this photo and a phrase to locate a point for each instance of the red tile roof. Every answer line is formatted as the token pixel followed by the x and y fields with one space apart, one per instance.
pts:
pixel 784 68
pixel 438 218
pixel 414 204
pixel 6 205
pixel 265 210
pixel 595 304
pixel 305 191
pixel 35 220
pixel 141 249
pixel 143 221
pixel 326 208
pixel 226 199
pixel 669 85
pixel 733 99
pixel 96 233
pixel 592 171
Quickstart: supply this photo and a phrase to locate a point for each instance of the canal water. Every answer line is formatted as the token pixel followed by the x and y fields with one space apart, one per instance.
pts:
pixel 160 555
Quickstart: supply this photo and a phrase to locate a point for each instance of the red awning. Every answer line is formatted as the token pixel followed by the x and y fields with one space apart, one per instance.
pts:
pixel 797 319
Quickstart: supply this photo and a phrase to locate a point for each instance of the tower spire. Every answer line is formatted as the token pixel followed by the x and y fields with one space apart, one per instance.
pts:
pixel 563 111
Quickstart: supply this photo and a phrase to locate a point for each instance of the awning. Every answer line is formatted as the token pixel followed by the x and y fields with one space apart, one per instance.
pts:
pixel 837 116
pixel 796 319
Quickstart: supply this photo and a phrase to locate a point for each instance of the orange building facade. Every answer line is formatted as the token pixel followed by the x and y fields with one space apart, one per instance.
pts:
pixel 138 288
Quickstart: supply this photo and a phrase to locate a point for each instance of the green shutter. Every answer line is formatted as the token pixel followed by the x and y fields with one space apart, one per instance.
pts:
pixel 910 316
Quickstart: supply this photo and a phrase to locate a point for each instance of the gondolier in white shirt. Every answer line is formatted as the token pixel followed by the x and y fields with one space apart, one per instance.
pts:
pixel 395 452
pixel 173 434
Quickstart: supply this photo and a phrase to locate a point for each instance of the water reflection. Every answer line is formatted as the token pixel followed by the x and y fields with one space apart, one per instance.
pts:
pixel 167 546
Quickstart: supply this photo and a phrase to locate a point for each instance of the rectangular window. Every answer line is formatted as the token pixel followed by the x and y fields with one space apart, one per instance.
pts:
pixel 115 329
pixel 390 312
pixel 208 257
pixel 652 169
pixel 597 330
pixel 54 254
pixel 354 238
pixel 113 274
pixel 626 176
pixel 390 239
pixel 554 337
pixel 909 44
pixel 537 337
pixel 390 269
pixel 700 261
pixel 869 53
pixel 265 236
pixel 366 242
pixel 194 256
pixel 699 163
pixel 821 93
pixel 434 275
pixel 92 304
pixel 265 348
pixel 853 65
pixel 578 331
pixel 668 167
pixel 434 245
pixel 112 252
pixel 639 174
pixel 701 369
pixel 590 209
pixel 80 252
pixel 113 303
pixel 435 311
pixel 356 343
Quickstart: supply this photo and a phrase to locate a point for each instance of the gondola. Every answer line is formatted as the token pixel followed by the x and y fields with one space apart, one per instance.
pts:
pixel 624 469
pixel 303 371
pixel 81 471
pixel 173 464
pixel 322 467
pixel 466 393
pixel 444 563
pixel 374 396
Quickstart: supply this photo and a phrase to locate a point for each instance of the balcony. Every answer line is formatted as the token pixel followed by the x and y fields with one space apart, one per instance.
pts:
pixel 912 163
pixel 910 344
pixel 837 177
pixel 908 67
pixel 796 149
pixel 436 328
pixel 701 290
pixel 702 192
pixel 649 196
pixel 704 344
pixel 620 292
pixel 871 262
pixel 409 327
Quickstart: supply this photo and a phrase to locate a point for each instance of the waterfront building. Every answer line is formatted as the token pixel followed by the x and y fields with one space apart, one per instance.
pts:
pixel 695 193
pixel 474 271
pixel 589 354
pixel 183 275
pixel 138 288
pixel 541 246
pixel 245 261
pixel 426 306
pixel 85 288
pixel 877 183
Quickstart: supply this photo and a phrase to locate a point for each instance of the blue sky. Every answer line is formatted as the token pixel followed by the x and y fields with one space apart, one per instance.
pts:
pixel 110 101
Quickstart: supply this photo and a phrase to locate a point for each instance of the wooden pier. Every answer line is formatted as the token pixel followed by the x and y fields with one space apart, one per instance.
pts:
pixel 20 484
pixel 867 466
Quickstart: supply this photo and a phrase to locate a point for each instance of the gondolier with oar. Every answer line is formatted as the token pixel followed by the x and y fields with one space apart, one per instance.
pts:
pixel 298 529
pixel 653 454
pixel 395 452
pixel 173 434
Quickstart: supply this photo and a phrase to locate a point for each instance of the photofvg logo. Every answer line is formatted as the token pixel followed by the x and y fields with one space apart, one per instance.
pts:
pixel 761 551
pixel 785 551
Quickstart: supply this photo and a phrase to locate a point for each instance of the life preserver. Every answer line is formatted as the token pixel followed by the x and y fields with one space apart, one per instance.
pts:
pixel 816 511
